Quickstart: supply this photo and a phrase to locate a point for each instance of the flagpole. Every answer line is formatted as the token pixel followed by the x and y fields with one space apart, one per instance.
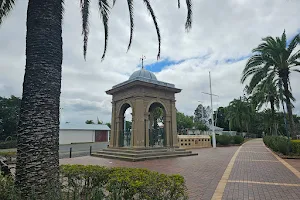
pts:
pixel 212 115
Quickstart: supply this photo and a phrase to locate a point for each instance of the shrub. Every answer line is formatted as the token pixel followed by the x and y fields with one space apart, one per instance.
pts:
pixel 223 139
pixel 280 144
pixel 100 182
pixel 238 139
pixel 295 147
pixel 6 187
pixel 8 144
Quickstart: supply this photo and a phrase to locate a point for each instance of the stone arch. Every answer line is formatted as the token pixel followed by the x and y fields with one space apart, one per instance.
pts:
pixel 156 135
pixel 124 137
pixel 121 107
pixel 160 102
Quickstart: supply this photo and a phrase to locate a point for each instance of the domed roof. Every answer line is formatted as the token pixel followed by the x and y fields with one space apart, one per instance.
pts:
pixel 142 73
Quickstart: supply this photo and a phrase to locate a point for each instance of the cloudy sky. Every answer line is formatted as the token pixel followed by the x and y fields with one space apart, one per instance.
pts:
pixel 220 41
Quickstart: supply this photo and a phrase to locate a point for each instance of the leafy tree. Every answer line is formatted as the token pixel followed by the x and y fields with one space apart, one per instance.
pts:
pixel 89 121
pixel 108 124
pixel 39 114
pixel 202 114
pixel 221 120
pixel 99 121
pixel 200 126
pixel 183 122
pixel 275 59
pixel 9 116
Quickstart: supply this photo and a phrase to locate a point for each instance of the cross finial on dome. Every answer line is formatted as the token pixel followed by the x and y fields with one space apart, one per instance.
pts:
pixel 142 58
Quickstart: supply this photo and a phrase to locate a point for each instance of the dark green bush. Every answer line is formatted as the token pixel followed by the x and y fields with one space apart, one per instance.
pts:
pixel 224 139
pixel 8 144
pixel 278 144
pixel 295 147
pixel 120 183
pixel 237 139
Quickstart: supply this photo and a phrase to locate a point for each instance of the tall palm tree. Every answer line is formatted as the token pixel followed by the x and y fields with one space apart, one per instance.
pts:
pixel 239 113
pixel 37 157
pixel 275 58
pixel 264 93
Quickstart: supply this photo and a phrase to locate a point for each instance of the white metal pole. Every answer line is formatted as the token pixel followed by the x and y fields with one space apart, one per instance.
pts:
pixel 212 115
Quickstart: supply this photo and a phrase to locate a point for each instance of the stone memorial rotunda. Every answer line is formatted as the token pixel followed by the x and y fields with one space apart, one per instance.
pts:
pixel 143 93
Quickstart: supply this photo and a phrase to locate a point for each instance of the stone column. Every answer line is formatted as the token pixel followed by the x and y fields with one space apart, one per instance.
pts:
pixel 174 124
pixel 132 132
pixel 139 127
pixel 168 130
pixel 112 141
pixel 118 129
pixel 147 128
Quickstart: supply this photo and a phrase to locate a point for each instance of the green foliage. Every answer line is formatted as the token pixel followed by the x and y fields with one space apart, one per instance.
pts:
pixel 200 126
pixel 183 122
pixel 277 143
pixel 9 116
pixel 225 140
pixel 8 144
pixel 120 183
pixel 237 139
pixel 89 121
pixel 8 153
pixel 108 124
pixel 7 190
pixel 295 147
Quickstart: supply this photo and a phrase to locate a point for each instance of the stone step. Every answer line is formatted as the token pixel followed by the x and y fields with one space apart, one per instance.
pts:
pixel 135 159
pixel 141 151
pixel 142 154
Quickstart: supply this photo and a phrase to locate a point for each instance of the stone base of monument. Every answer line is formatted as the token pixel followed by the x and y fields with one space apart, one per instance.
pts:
pixel 140 154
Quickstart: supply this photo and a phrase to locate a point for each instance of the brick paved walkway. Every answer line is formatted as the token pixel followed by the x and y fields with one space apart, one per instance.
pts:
pixel 202 173
pixel 258 174
pixel 255 174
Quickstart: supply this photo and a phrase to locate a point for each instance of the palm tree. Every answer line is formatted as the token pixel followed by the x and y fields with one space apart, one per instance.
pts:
pixel 274 58
pixel 37 157
pixel 239 113
pixel 264 93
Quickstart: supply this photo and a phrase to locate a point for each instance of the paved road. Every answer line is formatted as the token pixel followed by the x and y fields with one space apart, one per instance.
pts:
pixel 80 149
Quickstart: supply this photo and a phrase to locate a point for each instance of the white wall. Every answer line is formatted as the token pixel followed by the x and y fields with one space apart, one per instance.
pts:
pixel 76 136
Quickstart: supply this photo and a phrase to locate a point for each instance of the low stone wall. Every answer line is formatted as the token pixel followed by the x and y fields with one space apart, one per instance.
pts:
pixel 193 141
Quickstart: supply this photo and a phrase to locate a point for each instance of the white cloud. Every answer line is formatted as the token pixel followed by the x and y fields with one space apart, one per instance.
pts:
pixel 227 29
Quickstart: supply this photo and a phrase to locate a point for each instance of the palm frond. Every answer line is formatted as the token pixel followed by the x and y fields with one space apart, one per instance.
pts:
pixel 85 11
pixel 130 8
pixel 296 70
pixel 294 58
pixel 295 41
pixel 114 2
pixel 253 62
pixel 283 40
pixel 149 8
pixel 104 9
pixel 270 41
pixel 5 7
pixel 188 23
pixel 178 3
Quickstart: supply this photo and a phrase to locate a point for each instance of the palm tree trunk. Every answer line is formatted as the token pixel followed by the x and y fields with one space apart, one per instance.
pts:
pixel 288 104
pixel 273 116
pixel 37 167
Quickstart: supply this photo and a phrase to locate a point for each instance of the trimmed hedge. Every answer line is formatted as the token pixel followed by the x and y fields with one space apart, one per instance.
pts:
pixel 280 144
pixel 79 182
pixel 227 139
pixel 120 183
pixel 8 144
